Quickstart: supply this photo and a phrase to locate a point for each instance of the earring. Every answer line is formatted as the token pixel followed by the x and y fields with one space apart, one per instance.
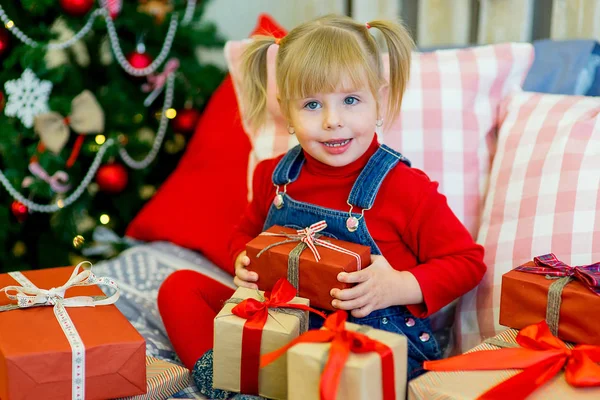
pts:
pixel 379 123
pixel 291 130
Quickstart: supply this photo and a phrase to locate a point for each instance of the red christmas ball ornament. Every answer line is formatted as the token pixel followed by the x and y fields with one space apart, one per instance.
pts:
pixel 112 178
pixel 2 100
pixel 19 210
pixel 4 42
pixel 139 60
pixel 186 120
pixel 77 8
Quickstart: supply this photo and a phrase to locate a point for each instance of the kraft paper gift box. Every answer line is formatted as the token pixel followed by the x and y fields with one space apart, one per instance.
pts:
pixel 463 385
pixel 294 261
pixel 163 379
pixel 36 360
pixel 280 328
pixel 528 296
pixel 362 374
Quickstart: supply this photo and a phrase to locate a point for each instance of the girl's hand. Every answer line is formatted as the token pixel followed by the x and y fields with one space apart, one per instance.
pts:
pixel 243 277
pixel 378 286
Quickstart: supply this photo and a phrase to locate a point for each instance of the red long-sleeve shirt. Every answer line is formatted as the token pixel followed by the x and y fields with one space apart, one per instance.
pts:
pixel 410 222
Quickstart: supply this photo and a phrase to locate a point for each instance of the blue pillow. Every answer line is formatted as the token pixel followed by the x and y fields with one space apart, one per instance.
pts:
pixel 561 67
pixel 594 65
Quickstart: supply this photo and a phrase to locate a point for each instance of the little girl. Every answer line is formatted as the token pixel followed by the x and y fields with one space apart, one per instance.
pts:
pixel 330 87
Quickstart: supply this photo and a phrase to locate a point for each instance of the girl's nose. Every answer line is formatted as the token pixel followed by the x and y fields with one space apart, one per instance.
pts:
pixel 332 120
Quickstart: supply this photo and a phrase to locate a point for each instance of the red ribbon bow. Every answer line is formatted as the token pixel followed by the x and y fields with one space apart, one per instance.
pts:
pixel 548 264
pixel 541 355
pixel 343 342
pixel 256 314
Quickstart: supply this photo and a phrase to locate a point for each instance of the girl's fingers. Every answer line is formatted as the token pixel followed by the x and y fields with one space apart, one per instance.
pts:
pixel 246 275
pixel 350 304
pixel 241 283
pixel 351 293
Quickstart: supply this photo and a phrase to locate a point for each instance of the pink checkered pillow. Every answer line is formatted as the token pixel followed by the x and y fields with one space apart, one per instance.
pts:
pixel 447 123
pixel 544 197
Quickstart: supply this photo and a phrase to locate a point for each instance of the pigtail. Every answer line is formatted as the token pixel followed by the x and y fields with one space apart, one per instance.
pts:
pixel 254 84
pixel 400 46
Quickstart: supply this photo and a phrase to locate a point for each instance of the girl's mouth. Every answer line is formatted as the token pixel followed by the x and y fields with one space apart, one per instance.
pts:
pixel 336 146
pixel 337 143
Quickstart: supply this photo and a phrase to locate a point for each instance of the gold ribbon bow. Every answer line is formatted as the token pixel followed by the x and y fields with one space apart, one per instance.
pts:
pixel 86 117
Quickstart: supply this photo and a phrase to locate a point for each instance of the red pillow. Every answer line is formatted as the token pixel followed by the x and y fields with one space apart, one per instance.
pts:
pixel 202 200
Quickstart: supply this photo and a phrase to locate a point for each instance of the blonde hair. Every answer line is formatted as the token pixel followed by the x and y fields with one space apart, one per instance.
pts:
pixel 317 57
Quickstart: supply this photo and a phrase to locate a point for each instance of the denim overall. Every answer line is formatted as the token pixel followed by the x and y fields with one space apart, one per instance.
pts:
pixel 422 345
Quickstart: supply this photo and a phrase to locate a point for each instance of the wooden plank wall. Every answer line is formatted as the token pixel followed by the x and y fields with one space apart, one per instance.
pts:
pixel 433 23
pixel 437 23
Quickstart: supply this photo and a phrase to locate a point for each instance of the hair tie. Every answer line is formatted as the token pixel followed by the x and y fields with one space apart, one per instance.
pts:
pixel 277 40
pixel 367 25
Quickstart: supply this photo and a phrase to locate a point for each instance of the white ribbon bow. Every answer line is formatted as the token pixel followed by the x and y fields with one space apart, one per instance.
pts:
pixel 30 295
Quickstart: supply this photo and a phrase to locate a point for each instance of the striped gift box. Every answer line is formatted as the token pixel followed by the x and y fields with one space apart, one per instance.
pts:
pixel 163 379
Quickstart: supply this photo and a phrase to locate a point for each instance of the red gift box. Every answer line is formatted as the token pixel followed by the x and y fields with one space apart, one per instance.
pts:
pixel 36 357
pixel 528 296
pixel 318 261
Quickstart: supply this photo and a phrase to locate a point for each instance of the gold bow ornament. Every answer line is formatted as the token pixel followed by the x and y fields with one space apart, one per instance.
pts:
pixel 86 117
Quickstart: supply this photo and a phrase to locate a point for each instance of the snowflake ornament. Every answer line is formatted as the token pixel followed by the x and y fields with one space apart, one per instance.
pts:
pixel 27 97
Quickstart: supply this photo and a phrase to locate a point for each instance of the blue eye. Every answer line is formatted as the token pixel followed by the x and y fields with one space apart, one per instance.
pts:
pixel 312 105
pixel 350 100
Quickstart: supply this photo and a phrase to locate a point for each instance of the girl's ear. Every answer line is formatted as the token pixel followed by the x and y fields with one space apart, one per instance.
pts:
pixel 382 96
pixel 383 93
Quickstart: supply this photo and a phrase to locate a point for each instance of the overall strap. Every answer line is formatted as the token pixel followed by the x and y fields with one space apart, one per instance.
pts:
pixel 289 167
pixel 370 179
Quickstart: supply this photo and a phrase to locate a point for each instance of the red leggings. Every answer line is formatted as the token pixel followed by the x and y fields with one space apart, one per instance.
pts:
pixel 188 303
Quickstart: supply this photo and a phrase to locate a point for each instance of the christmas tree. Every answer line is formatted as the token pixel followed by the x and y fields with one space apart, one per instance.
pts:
pixel 97 101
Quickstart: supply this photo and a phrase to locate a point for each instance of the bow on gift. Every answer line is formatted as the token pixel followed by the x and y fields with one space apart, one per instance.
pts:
pixel 28 295
pixel 548 264
pixel 542 356
pixel 343 342
pixel 86 117
pixel 309 237
pixel 256 313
